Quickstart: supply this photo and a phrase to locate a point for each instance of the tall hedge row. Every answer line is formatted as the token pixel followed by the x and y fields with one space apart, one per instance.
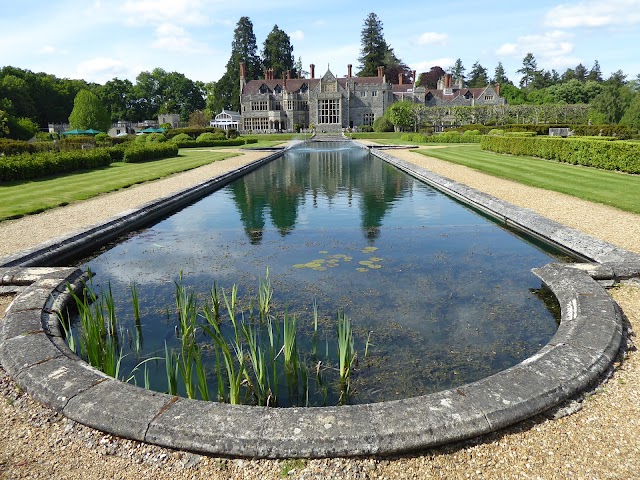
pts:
pixel 188 143
pixel 27 166
pixel 618 155
pixel 151 151
pixel 470 136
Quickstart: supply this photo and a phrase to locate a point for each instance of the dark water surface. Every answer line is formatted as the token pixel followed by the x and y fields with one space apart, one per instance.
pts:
pixel 447 295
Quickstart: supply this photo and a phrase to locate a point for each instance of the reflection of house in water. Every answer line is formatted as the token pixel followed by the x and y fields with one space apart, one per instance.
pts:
pixel 281 187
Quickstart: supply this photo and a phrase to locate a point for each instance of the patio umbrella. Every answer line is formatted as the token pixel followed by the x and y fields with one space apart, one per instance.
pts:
pixel 91 131
pixel 75 132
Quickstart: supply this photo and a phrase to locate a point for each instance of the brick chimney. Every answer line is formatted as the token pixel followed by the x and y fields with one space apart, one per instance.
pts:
pixel 349 71
pixel 497 89
pixel 400 78
pixel 447 80
pixel 312 67
pixel 415 79
pixel 242 73
pixel 380 71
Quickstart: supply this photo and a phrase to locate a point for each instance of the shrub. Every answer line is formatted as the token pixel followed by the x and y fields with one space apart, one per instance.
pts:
pixel 137 153
pixel 155 137
pixel 27 166
pixel 607 155
pixel 191 131
pixel 365 128
pixel 382 124
pixel 210 137
pixel 15 147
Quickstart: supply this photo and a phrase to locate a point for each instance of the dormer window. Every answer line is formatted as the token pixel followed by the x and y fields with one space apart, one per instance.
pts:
pixel 278 89
pixel 264 89
pixel 467 95
pixel 304 88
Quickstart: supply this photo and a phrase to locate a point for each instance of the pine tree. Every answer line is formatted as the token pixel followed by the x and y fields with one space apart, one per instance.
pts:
pixel 277 53
pixel 243 50
pixel 500 76
pixel 595 74
pixel 374 47
pixel 529 70
pixel 457 71
pixel 478 76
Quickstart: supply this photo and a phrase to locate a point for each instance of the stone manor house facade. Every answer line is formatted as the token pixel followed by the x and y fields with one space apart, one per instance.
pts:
pixel 332 104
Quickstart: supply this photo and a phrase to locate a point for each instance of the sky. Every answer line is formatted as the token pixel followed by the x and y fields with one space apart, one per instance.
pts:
pixel 101 40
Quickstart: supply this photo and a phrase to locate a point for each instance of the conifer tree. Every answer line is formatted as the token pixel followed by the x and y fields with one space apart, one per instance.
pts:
pixel 277 53
pixel 374 47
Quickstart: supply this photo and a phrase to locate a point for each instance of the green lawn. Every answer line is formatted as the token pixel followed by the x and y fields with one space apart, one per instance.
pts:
pixel 610 188
pixel 26 197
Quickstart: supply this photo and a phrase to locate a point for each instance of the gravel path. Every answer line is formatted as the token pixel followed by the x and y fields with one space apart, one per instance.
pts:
pixel 598 441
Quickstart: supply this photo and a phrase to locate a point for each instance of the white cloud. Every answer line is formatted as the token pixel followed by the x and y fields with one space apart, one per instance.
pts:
pixel 426 65
pixel 594 13
pixel 432 38
pixel 174 38
pixel 47 50
pixel 185 12
pixel 101 69
pixel 548 45
pixel 298 35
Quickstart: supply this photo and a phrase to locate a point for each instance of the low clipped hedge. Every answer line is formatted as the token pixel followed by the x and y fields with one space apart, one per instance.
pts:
pixel 16 147
pixel 470 136
pixel 138 153
pixel 27 166
pixel 604 154
pixel 236 142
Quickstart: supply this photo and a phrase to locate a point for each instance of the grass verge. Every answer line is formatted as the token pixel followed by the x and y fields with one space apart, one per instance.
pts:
pixel 27 197
pixel 618 190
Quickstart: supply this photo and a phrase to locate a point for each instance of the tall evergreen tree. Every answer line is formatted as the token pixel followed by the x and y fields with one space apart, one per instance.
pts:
pixel 500 76
pixel 374 47
pixel 581 73
pixel 243 50
pixel 457 71
pixel 478 76
pixel 595 74
pixel 529 70
pixel 277 53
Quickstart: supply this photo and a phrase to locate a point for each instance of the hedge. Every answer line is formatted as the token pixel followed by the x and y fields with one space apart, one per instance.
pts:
pixel 213 143
pixel 607 155
pixel 191 131
pixel 27 166
pixel 138 153
pixel 470 136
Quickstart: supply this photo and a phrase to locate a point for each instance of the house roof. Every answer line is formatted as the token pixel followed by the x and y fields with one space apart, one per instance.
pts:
pixel 295 84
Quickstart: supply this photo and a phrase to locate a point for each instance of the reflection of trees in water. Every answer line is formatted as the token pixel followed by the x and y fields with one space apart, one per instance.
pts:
pixel 282 185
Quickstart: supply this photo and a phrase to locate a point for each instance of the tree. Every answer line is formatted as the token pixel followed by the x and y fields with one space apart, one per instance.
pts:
pixel 457 71
pixel 528 70
pixel 118 96
pixel 243 50
pixel 394 67
pixel 430 79
pixel 277 53
pixel 610 105
pixel 478 76
pixel 580 72
pixel 88 112
pixel 374 47
pixel 631 117
pixel 595 75
pixel 403 115
pixel 500 76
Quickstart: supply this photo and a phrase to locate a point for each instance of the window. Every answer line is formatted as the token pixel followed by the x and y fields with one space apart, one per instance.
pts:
pixel 328 111
pixel 330 86
pixel 276 105
pixel 256 123
pixel 304 88
pixel 367 119
pixel 260 106
pixel 363 93
pixel 374 93
pixel 278 89
pixel 264 88
pixel 488 97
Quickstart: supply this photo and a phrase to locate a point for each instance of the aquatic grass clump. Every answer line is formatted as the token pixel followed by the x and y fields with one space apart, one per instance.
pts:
pixel 245 357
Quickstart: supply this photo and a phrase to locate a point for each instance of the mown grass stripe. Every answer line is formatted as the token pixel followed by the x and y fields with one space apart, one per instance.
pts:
pixel 32 196
pixel 618 190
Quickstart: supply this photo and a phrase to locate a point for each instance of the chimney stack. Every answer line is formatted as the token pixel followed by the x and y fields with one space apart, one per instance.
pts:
pixel 349 71
pixel 313 70
pixel 400 78
pixel 380 71
pixel 415 80
pixel 242 75
pixel 447 80
pixel 497 89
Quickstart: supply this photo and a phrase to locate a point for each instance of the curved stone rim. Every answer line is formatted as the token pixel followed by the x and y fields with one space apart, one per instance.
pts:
pixel 33 352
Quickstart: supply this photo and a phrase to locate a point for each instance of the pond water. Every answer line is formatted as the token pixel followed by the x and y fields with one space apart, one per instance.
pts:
pixel 437 294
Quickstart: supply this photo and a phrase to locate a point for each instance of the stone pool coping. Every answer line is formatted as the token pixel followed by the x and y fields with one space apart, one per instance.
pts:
pixel 33 352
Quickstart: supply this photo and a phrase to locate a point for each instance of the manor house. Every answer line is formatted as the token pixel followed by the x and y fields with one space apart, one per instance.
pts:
pixel 333 103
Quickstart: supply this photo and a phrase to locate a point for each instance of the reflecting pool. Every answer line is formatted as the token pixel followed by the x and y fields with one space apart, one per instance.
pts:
pixel 438 295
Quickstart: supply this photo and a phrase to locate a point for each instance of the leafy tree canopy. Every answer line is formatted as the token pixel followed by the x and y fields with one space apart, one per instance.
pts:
pixel 88 112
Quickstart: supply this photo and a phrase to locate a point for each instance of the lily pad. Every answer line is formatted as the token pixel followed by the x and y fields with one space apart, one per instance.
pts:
pixel 360 269
pixel 299 265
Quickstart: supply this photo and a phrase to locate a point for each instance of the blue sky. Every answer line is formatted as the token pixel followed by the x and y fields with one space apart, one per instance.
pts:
pixel 99 40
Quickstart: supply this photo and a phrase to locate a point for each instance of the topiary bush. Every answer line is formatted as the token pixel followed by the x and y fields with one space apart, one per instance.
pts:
pixel 210 137
pixel 137 153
